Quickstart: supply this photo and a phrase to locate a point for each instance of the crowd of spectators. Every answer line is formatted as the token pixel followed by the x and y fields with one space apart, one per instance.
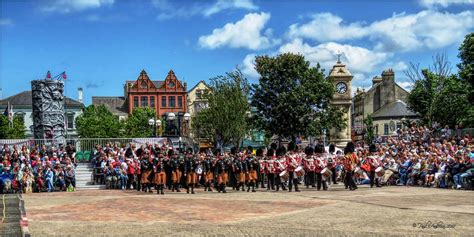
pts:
pixel 37 169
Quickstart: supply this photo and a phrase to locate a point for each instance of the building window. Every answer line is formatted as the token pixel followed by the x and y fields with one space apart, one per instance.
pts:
pixel 152 101
pixel 385 129
pixel 144 101
pixel 135 101
pixel 376 129
pixel 171 101
pixel 70 121
pixel 198 94
pixel 180 101
pixel 163 101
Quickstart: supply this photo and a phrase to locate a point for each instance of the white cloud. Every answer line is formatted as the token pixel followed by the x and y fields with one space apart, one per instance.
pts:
pixel 406 85
pixel 245 33
pixel 67 6
pixel 399 66
pixel 356 58
pixel 401 32
pixel 444 3
pixel 6 22
pixel 168 10
pixel 248 66
pixel 221 5
pixel 327 27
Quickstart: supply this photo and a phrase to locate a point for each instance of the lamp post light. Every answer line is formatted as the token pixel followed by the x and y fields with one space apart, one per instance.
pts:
pixel 156 123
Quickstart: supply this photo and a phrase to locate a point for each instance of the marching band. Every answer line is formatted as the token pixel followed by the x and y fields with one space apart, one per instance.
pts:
pixel 277 169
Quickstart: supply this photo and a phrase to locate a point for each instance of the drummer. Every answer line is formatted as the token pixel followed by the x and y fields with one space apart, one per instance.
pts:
pixel 373 161
pixel 281 175
pixel 320 162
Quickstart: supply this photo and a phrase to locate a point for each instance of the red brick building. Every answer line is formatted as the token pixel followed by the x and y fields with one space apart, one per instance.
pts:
pixel 164 96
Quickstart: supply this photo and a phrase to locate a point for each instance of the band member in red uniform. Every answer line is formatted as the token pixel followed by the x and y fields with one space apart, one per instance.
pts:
pixel 320 165
pixel 349 162
pixel 270 169
pixel 280 167
pixel 292 162
pixel 372 160
pixel 310 167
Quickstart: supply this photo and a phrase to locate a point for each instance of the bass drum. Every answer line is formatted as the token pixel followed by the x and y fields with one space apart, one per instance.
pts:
pixel 198 170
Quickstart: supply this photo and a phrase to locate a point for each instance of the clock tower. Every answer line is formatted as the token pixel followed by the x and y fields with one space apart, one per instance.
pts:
pixel 341 78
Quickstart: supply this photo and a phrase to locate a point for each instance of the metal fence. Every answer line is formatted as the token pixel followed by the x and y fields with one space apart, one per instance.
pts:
pixel 85 144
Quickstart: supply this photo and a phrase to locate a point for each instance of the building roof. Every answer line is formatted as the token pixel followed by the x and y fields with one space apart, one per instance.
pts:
pixel 339 70
pixel 25 99
pixel 157 84
pixel 116 104
pixel 194 87
pixel 392 110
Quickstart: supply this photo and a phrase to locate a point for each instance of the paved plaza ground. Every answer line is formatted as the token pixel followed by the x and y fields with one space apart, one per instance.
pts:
pixel 396 211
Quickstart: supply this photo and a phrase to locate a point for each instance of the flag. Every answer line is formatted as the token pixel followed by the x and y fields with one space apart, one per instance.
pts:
pixel 10 114
pixel 6 110
pixel 63 75
pixel 48 75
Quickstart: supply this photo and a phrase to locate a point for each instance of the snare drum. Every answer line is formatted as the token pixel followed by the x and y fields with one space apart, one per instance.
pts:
pixel 285 176
pixel 326 173
pixel 299 171
pixel 379 171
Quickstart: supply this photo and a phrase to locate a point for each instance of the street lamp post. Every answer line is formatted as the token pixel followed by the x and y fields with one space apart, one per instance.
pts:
pixel 155 123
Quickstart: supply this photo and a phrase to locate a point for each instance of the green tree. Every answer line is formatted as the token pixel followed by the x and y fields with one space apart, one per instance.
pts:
pixel 12 131
pixel 224 121
pixel 369 130
pixel 292 98
pixel 98 122
pixel 136 125
pixel 466 66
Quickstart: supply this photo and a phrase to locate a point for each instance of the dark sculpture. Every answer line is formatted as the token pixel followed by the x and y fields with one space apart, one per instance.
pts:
pixel 48 110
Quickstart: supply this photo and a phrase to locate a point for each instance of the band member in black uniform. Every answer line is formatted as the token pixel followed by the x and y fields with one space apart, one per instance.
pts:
pixel 207 168
pixel 221 169
pixel 232 175
pixel 147 172
pixel 252 169
pixel 332 162
pixel 160 175
pixel 169 170
pixel 190 164
pixel 176 172
pixel 239 168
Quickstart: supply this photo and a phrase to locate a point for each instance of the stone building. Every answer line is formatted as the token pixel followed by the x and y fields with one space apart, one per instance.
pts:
pixel 385 101
pixel 22 104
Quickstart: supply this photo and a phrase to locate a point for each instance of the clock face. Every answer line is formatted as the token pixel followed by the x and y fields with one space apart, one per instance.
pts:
pixel 341 87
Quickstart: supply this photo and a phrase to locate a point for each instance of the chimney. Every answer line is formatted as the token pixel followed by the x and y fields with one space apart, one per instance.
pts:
pixel 79 94
pixel 376 80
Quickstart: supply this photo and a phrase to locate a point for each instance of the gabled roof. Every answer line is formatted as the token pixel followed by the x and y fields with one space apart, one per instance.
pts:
pixel 339 70
pixel 116 104
pixel 194 87
pixel 394 109
pixel 25 99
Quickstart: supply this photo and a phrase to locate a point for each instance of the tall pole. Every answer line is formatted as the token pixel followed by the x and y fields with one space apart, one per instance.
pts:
pixel 179 134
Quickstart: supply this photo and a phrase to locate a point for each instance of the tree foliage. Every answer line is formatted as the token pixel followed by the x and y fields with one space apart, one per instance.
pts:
pixel 136 125
pixel 224 121
pixel 466 66
pixel 12 131
pixel 292 98
pixel 440 96
pixel 369 130
pixel 98 122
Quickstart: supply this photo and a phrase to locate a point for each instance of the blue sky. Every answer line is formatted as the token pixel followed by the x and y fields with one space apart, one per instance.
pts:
pixel 103 43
